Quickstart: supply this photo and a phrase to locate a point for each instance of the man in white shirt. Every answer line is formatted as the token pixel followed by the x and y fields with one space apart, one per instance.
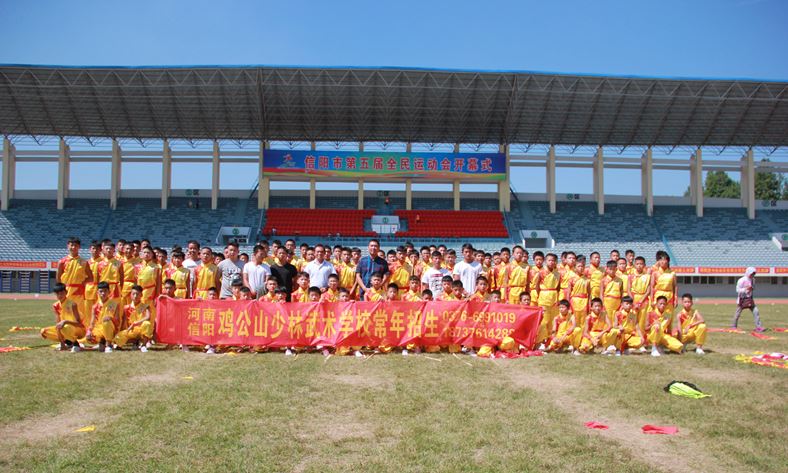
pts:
pixel 256 271
pixel 467 270
pixel 432 277
pixel 319 269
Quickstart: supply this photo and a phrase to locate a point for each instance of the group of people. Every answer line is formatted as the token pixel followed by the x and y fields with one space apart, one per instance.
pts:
pixel 620 306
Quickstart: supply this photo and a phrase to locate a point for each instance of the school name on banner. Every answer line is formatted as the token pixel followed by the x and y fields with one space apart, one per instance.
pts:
pixel 276 325
pixel 354 164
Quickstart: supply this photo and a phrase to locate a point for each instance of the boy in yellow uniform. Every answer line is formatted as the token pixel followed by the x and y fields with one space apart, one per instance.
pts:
pixel 302 293
pixel 693 327
pixel 400 269
pixel 413 294
pixel 631 337
pixel 106 320
pixel 69 327
pixel 663 283
pixel 180 275
pixel 481 294
pixel 658 336
pixel 595 274
pixel 91 295
pixel 630 257
pixel 129 268
pixel 74 273
pixel 346 271
pixel 516 275
pixel 532 272
pixel 599 330
pixel 623 274
pixel 567 333
pixel 499 272
pixel 547 285
pixel 578 293
pixel 640 290
pixel 612 289
pixel 139 326
pixel 110 270
pixel 206 275
pixel 332 292
pixel 376 292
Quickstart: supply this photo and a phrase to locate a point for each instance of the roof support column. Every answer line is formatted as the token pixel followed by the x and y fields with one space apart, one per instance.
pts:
pixel 647 181
pixel 696 181
pixel 599 180
pixel 456 192
pixel 408 184
pixel 748 183
pixel 63 163
pixel 114 184
pixel 361 194
pixel 9 168
pixel 263 182
pixel 504 199
pixel 215 176
pixel 312 196
pixel 550 175
pixel 166 172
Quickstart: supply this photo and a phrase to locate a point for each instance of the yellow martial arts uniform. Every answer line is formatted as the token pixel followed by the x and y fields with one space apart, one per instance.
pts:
pixel 400 275
pixel 549 282
pixel 498 274
pixel 614 288
pixel 143 331
pixel 578 299
pixel 665 285
pixel 695 334
pixel 517 281
pixel 106 320
pixel 570 338
pixel 330 296
pixel 109 271
pixel 300 295
pixel 657 335
pixel 628 321
pixel 146 277
pixel 347 276
pixel 411 296
pixel 595 275
pixel 641 285
pixel 181 277
pixel 65 311
pixel 532 272
pixel 624 277
pixel 73 276
pixel 595 325
pixel 479 297
pixel 375 295
pixel 129 279
pixel 204 279
pixel 91 294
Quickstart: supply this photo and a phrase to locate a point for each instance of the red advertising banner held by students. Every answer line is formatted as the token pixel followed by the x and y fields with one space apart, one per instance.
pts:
pixel 267 324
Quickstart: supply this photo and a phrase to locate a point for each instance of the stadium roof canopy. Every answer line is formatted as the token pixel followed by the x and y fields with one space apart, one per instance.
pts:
pixel 389 104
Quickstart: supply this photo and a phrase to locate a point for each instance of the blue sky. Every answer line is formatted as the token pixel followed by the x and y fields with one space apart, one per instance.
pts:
pixel 710 39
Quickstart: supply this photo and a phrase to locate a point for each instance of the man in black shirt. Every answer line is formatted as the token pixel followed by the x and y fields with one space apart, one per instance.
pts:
pixel 283 271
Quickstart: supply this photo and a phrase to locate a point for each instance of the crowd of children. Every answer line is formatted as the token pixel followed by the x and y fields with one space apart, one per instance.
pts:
pixel 621 306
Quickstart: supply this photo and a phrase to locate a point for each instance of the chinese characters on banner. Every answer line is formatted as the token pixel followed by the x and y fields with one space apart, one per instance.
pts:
pixel 484 166
pixel 267 324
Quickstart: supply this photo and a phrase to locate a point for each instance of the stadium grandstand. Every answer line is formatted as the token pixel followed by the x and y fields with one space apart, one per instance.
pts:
pixel 487 128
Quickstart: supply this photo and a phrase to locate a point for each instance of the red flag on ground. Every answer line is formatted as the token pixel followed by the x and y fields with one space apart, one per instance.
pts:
pixel 762 336
pixel 656 429
pixel 596 425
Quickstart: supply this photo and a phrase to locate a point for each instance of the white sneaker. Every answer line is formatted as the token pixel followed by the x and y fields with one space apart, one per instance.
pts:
pixel 570 348
pixel 210 350
pixel 359 354
pixel 319 347
pixel 149 344
pixel 611 349
pixel 288 352
pixel 108 350
pixel 542 347
pixel 642 349
pixel 143 349
pixel 464 349
pixel 325 352
pixel 576 353
pixel 618 353
pixel 405 352
pixel 655 352
pixel 75 349
pixel 700 351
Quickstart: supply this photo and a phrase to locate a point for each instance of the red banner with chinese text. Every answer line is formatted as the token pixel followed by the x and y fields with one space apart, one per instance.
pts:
pixel 256 323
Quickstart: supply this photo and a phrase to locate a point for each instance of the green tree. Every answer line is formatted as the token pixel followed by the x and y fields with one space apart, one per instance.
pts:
pixel 769 185
pixel 720 184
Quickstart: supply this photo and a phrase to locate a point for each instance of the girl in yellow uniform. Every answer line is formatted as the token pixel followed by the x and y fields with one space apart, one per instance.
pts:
pixel 69 326
pixel 640 289
pixel 612 288
pixel 578 294
pixel 693 327
pixel 74 272
pixel 663 283
pixel 547 284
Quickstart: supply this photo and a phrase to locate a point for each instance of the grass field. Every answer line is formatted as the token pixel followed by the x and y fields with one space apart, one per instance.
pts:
pixel 168 410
